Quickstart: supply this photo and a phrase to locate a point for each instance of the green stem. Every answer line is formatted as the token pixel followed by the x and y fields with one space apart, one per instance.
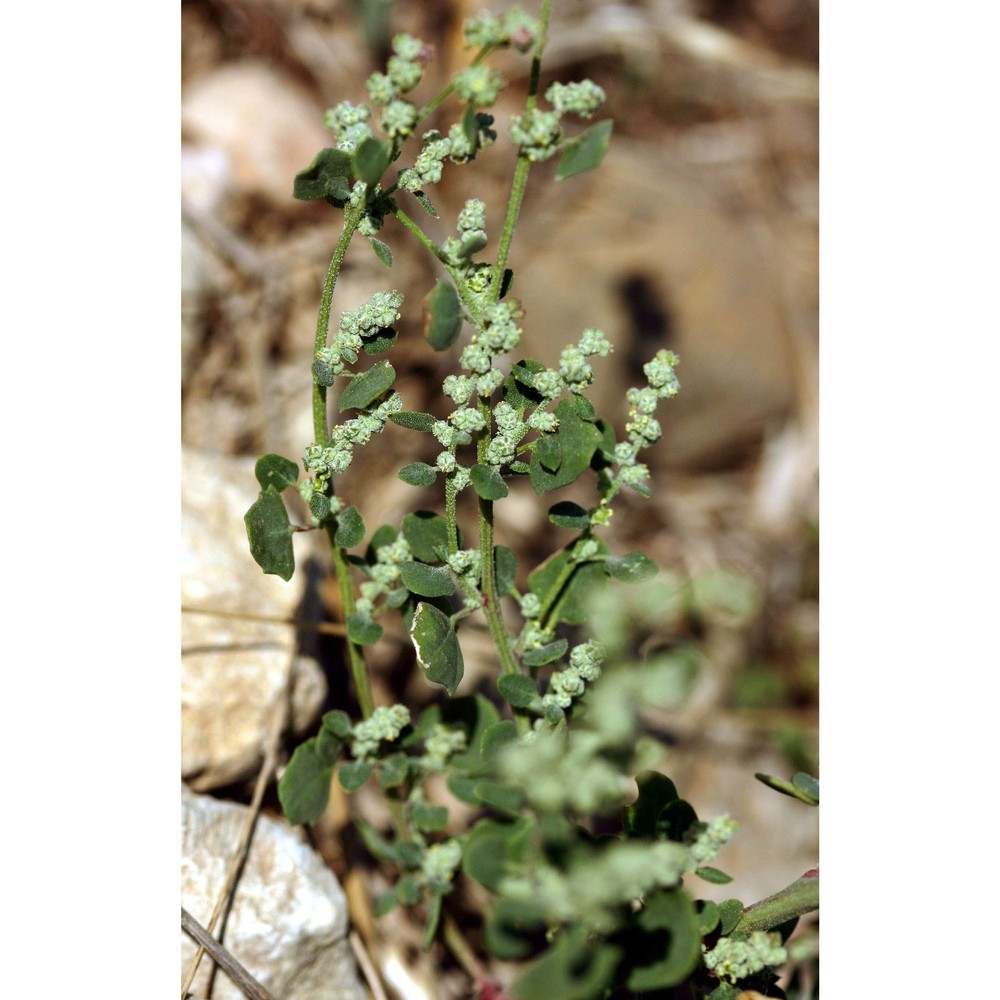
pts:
pixel 438 99
pixel 523 163
pixel 351 222
pixel 802 896
pixel 355 655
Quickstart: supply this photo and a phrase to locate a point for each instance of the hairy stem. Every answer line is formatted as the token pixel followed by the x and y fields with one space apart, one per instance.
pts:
pixel 355 656
pixel 802 896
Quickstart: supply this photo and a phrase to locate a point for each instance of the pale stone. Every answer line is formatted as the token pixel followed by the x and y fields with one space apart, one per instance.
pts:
pixel 234 672
pixel 288 923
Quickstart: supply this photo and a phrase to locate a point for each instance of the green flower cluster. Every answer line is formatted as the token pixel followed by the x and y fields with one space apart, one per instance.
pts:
pixel 441 745
pixel 383 726
pixel 584 98
pixel 567 685
pixel 355 327
pixel 441 860
pixel 403 72
pixel 349 123
pixel 335 457
pixel 707 839
pixel 384 574
pixel 642 429
pixel 516 29
pixel 736 958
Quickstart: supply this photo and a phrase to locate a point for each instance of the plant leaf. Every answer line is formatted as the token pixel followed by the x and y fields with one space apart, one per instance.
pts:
pixel 362 629
pixel 350 528
pixel 354 774
pixel 326 177
pixel 803 791
pixel 429 817
pixel 730 912
pixel 370 160
pixel 426 203
pixel 585 151
pixel 577 440
pixel 567 514
pixel 574 968
pixel 427 581
pixel 487 482
pixel 380 342
pixel 270 535
pixel 506 570
pixel 382 251
pixel 713 875
pixel 427 535
pixel 418 474
pixel 548 653
pixel 442 316
pixel 367 387
pixel 304 788
pixel 275 473
pixel 517 689
pixel 414 420
pixel 437 646
pixel 672 912
pixel 636 567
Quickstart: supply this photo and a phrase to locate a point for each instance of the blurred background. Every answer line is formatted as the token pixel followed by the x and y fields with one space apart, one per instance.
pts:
pixel 698 233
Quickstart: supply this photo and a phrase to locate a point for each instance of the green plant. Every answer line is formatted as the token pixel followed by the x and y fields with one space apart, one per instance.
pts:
pixel 587 874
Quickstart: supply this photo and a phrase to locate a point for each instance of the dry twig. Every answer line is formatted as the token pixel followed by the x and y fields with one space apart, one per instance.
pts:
pixel 250 987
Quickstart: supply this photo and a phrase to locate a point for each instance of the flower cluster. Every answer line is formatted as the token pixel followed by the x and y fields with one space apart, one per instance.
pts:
pixel 384 574
pixel 516 29
pixel 384 725
pixel 349 122
pixel 355 327
pixel 736 958
pixel 566 685
pixel 584 98
pixel 707 839
pixel 441 745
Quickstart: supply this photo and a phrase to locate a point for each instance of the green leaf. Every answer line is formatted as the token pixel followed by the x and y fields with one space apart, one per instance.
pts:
pixel 487 482
pixel 380 342
pixel 270 535
pixel 326 177
pixel 548 653
pixel 671 925
pixel 413 420
pixel 509 925
pixel 354 774
pixel 384 902
pixel 395 768
pixel 304 788
pixel 370 160
pixel 275 473
pixel 427 535
pixel 427 817
pixel 730 913
pixel 411 853
pixel 350 528
pixel 708 917
pixel 487 851
pixel 567 514
pixel 517 689
pixel 506 570
pixel 437 647
pixel 427 581
pixel 573 607
pixel 496 737
pixel 574 968
pixel 656 791
pixel 464 789
pixel 585 151
pixel 713 875
pixel 385 534
pixel 577 440
pixel 338 723
pixel 418 474
pixel 806 791
pixel 499 797
pixel 442 316
pixel 676 819
pixel 518 388
pixel 383 253
pixel 377 845
pixel 362 629
pixel 636 567
pixel 408 890
pixel 366 388
pixel 426 203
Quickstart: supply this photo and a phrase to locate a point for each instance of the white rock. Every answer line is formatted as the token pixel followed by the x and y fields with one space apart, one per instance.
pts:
pixel 289 921
pixel 233 672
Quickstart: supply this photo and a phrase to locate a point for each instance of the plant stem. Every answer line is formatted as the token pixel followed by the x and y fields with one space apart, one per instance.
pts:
pixel 520 182
pixel 438 99
pixel 355 657
pixel 351 222
pixel 802 896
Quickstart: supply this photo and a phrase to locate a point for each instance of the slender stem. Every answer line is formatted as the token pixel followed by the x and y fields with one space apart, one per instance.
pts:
pixel 248 986
pixel 520 182
pixel 422 236
pixel 439 98
pixel 351 221
pixel 355 656
pixel 802 896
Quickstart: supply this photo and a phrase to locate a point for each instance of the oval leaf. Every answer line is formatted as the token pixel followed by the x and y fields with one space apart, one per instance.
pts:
pixel 354 774
pixel 428 817
pixel 585 151
pixel 425 203
pixel 713 875
pixel 413 420
pixel 350 528
pixel 418 474
pixel 366 388
pixel 569 515
pixel 270 535
pixel 633 568
pixel 362 630
pixel 427 581
pixel 506 569
pixel 370 160
pixel 325 177
pixel 673 912
pixel 383 253
pixel 304 788
pixel 275 473
pixel 548 653
pixel 427 535
pixel 487 482
pixel 517 689
pixel 437 646
pixel 442 316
